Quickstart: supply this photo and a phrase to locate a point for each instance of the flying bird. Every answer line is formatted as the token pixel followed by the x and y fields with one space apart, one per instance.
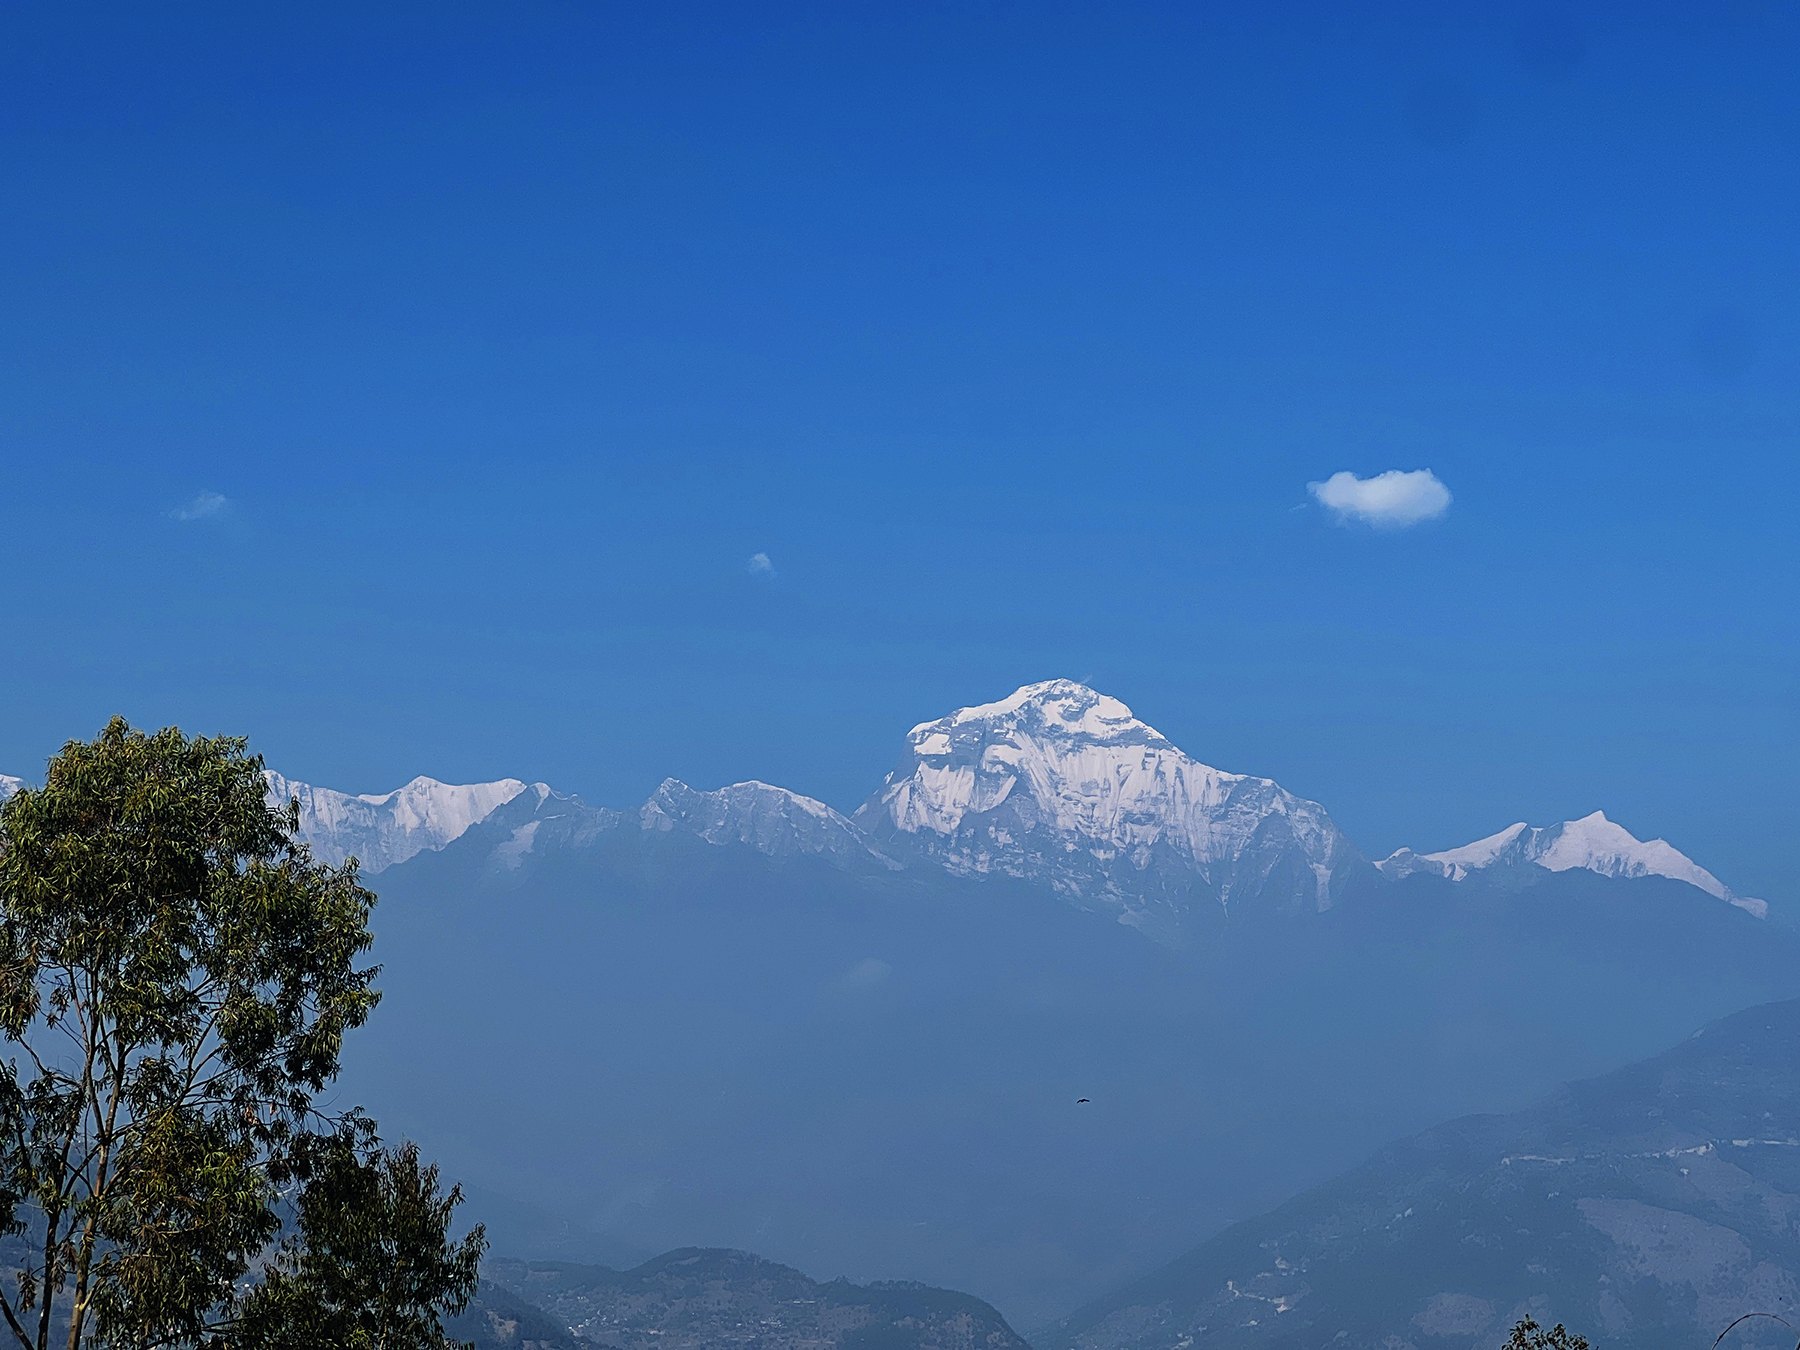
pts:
pixel 1080 1100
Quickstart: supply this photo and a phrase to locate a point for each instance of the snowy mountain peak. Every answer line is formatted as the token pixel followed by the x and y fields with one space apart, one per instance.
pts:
pixel 388 828
pixel 770 819
pixel 1059 783
pixel 1593 843
pixel 1052 706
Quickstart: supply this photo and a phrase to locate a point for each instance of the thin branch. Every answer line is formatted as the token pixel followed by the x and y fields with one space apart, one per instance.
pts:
pixel 13 1322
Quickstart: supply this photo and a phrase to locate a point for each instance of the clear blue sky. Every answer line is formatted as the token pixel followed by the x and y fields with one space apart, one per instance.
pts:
pixel 1011 335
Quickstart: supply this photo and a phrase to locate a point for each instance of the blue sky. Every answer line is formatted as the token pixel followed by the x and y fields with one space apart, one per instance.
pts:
pixel 482 347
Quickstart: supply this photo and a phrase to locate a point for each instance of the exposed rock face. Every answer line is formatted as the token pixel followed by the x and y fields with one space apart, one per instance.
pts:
pixel 1062 785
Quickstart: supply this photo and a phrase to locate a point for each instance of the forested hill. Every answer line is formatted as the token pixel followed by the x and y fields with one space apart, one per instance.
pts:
pixel 711 1297
pixel 1648 1207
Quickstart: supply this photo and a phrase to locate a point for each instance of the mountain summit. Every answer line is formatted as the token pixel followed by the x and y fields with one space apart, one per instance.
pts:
pixel 1056 785
pixel 1593 843
pixel 1061 785
pixel 389 828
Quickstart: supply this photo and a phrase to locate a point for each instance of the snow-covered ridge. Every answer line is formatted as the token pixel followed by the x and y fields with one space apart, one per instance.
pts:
pixel 1060 783
pixel 770 819
pixel 1592 843
pixel 383 830
pixel 426 815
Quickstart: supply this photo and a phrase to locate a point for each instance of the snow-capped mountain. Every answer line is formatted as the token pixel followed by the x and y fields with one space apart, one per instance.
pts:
pixel 1592 843
pixel 1059 784
pixel 426 815
pixel 1056 784
pixel 769 819
pixel 383 830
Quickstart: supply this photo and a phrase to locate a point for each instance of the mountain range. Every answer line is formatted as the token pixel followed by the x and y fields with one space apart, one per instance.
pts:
pixel 861 1043
pixel 1055 785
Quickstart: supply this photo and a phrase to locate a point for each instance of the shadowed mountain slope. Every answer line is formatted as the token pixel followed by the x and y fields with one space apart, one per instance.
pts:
pixel 694 1298
pixel 665 1040
pixel 498 1319
pixel 1648 1207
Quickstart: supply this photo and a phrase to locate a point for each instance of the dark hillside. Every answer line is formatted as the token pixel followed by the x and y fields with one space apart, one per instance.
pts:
pixel 653 1041
pixel 695 1297
pixel 1647 1208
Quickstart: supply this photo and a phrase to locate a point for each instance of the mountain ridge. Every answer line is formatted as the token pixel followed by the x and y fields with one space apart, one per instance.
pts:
pixel 1060 784
pixel 1592 843
pixel 1056 785
pixel 694 1297
pixel 1648 1206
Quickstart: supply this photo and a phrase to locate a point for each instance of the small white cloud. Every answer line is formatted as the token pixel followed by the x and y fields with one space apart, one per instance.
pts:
pixel 1394 499
pixel 203 507
pixel 760 566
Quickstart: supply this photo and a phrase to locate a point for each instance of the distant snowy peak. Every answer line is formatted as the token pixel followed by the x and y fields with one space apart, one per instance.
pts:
pixel 1061 784
pixel 9 785
pixel 769 819
pixel 380 831
pixel 1593 844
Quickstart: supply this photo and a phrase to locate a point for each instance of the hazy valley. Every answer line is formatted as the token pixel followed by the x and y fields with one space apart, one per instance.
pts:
pixel 858 1044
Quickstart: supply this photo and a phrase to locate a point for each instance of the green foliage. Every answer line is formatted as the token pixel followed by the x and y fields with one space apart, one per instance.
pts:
pixel 1528 1335
pixel 369 1266
pixel 176 975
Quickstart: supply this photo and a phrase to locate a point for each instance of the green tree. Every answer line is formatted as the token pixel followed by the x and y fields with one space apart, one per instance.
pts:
pixel 369 1264
pixel 177 974
pixel 1528 1335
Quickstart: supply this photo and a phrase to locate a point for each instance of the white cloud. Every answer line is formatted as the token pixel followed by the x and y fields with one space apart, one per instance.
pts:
pixel 760 565
pixel 1395 499
pixel 206 505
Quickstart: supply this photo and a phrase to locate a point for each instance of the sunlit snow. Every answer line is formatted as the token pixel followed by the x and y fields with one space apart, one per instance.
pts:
pixel 1592 843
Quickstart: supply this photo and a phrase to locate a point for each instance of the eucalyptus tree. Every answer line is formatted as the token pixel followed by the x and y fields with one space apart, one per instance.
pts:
pixel 177 975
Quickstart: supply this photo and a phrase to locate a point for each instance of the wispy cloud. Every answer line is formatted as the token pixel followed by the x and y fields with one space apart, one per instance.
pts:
pixel 865 974
pixel 1394 499
pixel 760 566
pixel 204 507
